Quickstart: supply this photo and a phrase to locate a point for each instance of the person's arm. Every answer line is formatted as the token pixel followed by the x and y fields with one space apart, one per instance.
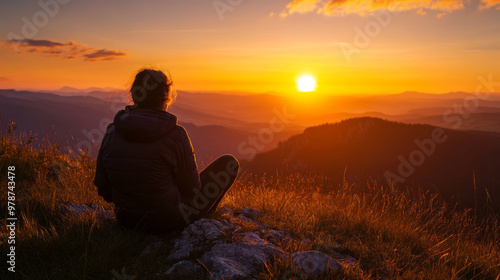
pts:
pixel 188 177
pixel 101 180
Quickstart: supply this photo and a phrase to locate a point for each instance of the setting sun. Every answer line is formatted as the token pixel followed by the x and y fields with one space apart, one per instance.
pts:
pixel 306 83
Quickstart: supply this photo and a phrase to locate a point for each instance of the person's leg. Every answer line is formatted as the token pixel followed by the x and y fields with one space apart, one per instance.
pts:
pixel 216 180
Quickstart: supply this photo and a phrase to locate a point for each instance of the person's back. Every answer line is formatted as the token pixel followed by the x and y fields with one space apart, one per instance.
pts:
pixel 146 164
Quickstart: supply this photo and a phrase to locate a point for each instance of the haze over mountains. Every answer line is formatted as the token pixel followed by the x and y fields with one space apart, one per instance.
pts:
pixel 79 119
pixel 240 124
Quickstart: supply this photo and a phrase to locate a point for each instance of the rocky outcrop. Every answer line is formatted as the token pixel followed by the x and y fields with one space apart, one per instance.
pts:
pixel 227 249
pixel 198 236
pixel 229 252
pixel 185 269
pixel 240 260
pixel 314 263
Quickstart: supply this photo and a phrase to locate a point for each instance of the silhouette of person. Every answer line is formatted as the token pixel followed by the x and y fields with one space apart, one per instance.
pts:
pixel 147 167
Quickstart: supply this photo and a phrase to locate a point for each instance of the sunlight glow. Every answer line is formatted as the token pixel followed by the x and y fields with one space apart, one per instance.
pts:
pixel 306 83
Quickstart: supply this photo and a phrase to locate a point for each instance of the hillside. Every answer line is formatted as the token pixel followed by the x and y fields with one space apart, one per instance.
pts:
pixel 374 234
pixel 462 166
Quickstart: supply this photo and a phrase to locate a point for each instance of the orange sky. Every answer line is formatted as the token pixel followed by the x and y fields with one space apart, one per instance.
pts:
pixel 254 46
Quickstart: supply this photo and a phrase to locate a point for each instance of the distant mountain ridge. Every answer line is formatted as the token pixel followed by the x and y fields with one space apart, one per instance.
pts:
pixel 79 121
pixel 446 161
pixel 365 147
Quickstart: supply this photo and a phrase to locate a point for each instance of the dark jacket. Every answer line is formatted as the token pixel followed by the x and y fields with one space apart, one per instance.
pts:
pixel 146 166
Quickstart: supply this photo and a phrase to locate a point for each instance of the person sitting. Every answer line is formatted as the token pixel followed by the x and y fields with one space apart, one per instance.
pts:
pixel 147 167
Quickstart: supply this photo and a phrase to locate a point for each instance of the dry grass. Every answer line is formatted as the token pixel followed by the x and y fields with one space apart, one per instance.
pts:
pixel 392 235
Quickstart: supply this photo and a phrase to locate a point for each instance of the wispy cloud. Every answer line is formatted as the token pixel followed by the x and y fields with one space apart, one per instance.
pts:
pixel 3 79
pixel 487 4
pixel 302 6
pixel 364 7
pixel 103 54
pixel 68 50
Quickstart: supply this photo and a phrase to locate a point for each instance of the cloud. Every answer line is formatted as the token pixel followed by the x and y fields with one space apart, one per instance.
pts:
pixel 487 4
pixel 69 50
pixel 103 55
pixel 302 6
pixel 3 79
pixel 366 7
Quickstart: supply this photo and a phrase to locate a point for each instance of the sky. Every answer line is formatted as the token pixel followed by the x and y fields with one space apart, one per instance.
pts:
pixel 252 46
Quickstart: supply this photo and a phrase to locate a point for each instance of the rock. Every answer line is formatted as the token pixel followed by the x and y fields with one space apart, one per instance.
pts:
pixel 238 230
pixel 224 268
pixel 226 211
pixel 240 260
pixel 185 270
pixel 345 261
pixel 314 263
pixel 253 238
pixel 195 236
pixel 250 221
pixel 274 235
pixel 250 213
pixel 210 229
pixel 76 211
pixel 227 223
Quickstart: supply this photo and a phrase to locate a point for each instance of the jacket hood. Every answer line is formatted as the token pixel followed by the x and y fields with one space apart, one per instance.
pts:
pixel 143 125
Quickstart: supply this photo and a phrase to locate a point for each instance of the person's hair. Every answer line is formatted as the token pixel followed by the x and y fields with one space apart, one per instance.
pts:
pixel 152 89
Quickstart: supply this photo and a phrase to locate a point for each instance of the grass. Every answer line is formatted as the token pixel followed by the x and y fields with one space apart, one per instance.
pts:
pixel 394 235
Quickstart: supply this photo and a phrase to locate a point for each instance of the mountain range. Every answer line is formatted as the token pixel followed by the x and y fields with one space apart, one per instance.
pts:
pixel 387 139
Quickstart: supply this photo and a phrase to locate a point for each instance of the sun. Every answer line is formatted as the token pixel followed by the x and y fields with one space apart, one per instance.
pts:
pixel 306 83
